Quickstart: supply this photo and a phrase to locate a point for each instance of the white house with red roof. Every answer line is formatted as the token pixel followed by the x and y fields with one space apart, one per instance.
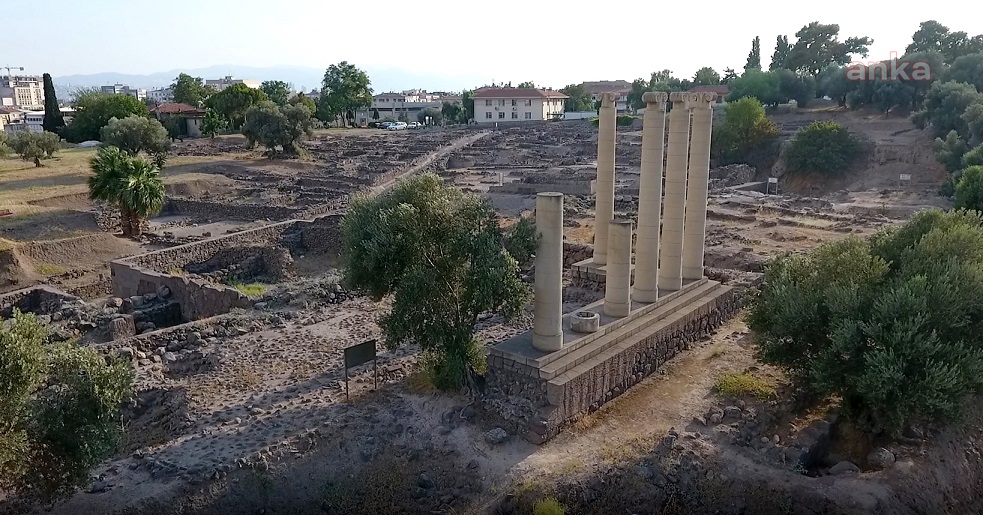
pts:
pixel 494 105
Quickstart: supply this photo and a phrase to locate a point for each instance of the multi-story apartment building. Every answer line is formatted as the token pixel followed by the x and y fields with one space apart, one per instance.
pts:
pixel 122 89
pixel 493 105
pixel 224 82
pixel 620 88
pixel 161 96
pixel 25 91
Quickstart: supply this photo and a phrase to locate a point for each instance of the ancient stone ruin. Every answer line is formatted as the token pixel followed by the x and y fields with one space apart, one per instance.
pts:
pixel 654 305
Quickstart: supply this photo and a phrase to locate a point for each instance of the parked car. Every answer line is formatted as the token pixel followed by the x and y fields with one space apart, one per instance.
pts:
pixel 414 125
pixel 385 125
pixel 398 126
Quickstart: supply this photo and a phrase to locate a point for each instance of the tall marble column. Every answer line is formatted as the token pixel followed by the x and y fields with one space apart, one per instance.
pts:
pixel 646 286
pixel 604 196
pixel 671 244
pixel 695 224
pixel 617 280
pixel 547 332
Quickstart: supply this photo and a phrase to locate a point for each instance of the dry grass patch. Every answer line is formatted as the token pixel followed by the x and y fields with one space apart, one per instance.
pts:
pixel 48 269
pixel 245 378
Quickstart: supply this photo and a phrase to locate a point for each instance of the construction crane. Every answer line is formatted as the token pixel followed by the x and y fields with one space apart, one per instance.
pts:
pixel 8 68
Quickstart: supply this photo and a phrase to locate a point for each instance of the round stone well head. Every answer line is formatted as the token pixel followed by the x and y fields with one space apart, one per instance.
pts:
pixel 585 322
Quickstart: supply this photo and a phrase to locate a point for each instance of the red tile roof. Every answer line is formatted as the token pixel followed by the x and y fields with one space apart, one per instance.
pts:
pixel 176 108
pixel 517 93
pixel 721 90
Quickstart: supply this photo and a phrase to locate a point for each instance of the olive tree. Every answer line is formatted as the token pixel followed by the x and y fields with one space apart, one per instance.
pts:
pixel 135 134
pixel 277 127
pixel 34 146
pixel 444 259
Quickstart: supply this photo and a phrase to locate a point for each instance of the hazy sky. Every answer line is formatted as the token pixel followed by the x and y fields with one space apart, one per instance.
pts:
pixel 549 41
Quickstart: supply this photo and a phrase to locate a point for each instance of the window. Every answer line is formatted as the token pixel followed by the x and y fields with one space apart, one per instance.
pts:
pixel 488 114
pixel 528 116
pixel 515 102
pixel 488 102
pixel 515 116
pixel 501 102
pixel 501 115
pixel 528 102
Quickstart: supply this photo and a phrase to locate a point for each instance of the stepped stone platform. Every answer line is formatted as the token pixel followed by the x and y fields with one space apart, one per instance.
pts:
pixel 556 388
pixel 588 274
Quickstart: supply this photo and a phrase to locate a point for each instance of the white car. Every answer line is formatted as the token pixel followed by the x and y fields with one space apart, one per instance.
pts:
pixel 398 126
pixel 414 125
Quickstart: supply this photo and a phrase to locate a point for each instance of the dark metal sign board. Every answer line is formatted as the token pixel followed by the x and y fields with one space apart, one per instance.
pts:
pixel 359 354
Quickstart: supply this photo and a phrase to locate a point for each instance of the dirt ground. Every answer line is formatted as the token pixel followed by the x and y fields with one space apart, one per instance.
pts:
pixel 248 413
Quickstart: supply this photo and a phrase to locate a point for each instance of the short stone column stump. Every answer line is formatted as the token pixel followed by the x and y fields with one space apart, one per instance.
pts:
pixel 585 322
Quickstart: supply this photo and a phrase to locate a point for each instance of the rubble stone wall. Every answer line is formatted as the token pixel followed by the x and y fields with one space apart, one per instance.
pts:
pixel 541 410
pixel 225 211
pixel 567 187
pixel 576 252
pixel 36 299
pixel 198 299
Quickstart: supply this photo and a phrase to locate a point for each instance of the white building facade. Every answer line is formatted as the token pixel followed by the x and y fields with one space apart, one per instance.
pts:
pixel 30 121
pixel 224 82
pixel 506 105
pixel 122 89
pixel 24 91
pixel 161 96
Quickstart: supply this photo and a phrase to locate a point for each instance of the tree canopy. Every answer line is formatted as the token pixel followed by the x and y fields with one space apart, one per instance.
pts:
pixel 277 127
pixel 60 409
pixel 135 134
pixel 782 49
pixel 580 98
pixel 817 46
pixel 746 130
pixel 822 147
pixel 889 325
pixel 344 90
pixel 277 91
pixel 932 36
pixel 34 146
pixel 706 76
pixel 444 258
pixel 754 56
pixel 190 90
pixel 94 109
pixel 53 119
pixel 304 100
pixel 233 101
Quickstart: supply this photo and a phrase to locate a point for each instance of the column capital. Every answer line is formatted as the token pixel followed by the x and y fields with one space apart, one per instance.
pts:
pixel 608 99
pixel 655 97
pixel 700 100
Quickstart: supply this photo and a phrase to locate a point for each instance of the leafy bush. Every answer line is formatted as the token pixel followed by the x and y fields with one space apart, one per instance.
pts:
pixel 950 151
pixel 743 385
pixel 59 414
pixel 625 120
pixel 35 146
pixel 969 189
pixel 823 147
pixel 746 132
pixel 548 506
pixel 890 324
pixel 973 157
pixel 135 134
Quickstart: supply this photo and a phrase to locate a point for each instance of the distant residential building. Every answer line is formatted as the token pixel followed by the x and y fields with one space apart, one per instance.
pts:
pixel 190 116
pixel 24 91
pixel 721 90
pixel 224 82
pixel 122 89
pixel 9 115
pixel 493 105
pixel 160 96
pixel 30 121
pixel 620 88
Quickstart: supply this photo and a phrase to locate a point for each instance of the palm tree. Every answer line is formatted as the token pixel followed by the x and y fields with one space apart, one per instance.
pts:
pixel 131 183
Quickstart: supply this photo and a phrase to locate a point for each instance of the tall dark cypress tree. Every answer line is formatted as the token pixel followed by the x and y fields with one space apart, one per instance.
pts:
pixel 53 120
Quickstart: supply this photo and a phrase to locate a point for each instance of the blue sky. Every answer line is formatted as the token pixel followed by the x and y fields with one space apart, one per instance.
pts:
pixel 549 41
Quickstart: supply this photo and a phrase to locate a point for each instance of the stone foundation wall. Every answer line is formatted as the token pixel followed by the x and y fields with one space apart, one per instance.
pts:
pixel 225 211
pixel 576 252
pixel 39 300
pixel 541 409
pixel 198 299
pixel 567 187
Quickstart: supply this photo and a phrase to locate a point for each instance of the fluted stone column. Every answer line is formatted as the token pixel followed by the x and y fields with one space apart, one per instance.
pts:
pixel 604 196
pixel 695 223
pixel 671 244
pixel 547 332
pixel 646 287
pixel 617 280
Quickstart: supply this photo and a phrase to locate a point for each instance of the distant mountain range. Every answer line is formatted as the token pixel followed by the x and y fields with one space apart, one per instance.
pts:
pixel 302 78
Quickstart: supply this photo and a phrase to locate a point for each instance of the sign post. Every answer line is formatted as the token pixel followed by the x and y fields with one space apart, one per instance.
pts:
pixel 768 186
pixel 904 179
pixel 357 355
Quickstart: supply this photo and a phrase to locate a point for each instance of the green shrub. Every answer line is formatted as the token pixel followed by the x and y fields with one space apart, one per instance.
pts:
pixel 890 324
pixel 59 409
pixel 548 506
pixel 625 120
pixel 823 147
pixel 250 289
pixel 743 385
pixel 969 189
pixel 973 157
pixel 746 136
